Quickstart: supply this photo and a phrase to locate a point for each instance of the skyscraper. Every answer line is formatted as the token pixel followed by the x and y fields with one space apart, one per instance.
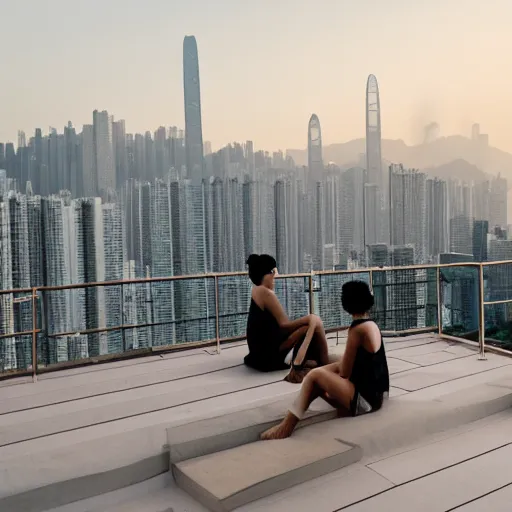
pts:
pixel 461 235
pixel 407 204
pixel 315 158
pixel 193 123
pixel 104 149
pixel 89 174
pixel 7 350
pixel 498 202
pixel 480 231
pixel 437 221
pixel 350 224
pixel 55 249
pixel 375 193
pixel 373 133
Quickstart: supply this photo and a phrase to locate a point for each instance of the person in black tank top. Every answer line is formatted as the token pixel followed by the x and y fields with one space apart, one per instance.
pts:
pixel 360 381
pixel 274 340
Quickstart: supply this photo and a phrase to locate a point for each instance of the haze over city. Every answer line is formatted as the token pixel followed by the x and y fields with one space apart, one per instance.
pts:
pixel 265 66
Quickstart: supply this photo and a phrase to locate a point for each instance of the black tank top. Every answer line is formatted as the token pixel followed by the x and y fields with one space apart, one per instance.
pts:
pixel 370 373
pixel 264 335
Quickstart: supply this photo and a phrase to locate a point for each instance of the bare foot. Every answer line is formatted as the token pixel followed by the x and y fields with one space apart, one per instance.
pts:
pixel 281 431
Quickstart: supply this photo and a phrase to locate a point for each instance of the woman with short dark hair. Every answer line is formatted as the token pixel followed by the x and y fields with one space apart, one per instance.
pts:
pixel 358 383
pixel 276 342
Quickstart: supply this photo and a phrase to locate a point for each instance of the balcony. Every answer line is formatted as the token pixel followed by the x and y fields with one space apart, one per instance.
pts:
pixel 95 435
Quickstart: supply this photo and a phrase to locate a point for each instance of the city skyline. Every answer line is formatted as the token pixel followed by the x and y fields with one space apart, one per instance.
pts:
pixel 107 204
pixel 117 74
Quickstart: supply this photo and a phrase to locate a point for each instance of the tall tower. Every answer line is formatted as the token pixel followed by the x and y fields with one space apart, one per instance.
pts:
pixel 373 135
pixel 375 226
pixel 315 160
pixel 193 123
pixel 314 198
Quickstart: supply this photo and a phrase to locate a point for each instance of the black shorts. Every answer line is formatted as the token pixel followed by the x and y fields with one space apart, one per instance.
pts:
pixel 365 402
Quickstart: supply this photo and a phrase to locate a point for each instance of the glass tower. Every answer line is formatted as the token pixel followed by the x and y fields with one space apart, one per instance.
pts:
pixel 193 124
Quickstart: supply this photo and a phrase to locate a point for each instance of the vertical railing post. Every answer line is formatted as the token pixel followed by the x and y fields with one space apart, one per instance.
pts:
pixel 439 302
pixel 371 281
pixel 217 329
pixel 34 335
pixel 311 296
pixel 481 316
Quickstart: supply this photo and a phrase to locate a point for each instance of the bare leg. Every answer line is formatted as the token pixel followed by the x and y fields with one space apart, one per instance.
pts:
pixel 318 344
pixel 320 341
pixel 319 382
pixel 294 338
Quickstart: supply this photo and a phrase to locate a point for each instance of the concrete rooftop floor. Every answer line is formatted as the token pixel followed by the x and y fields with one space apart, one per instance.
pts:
pixel 92 420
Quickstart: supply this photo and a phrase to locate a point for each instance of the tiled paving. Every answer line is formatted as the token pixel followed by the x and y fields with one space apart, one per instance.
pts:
pixel 91 420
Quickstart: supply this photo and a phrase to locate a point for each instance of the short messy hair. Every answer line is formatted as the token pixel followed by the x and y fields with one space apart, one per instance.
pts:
pixel 356 297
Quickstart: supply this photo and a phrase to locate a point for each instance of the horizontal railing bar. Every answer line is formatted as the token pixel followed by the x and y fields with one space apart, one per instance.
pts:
pixel 492 302
pixel 212 275
pixel 493 263
pixel 16 334
pixel 16 290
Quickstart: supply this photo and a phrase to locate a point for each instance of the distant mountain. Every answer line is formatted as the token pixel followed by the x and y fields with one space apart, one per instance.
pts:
pixel 451 150
pixel 458 169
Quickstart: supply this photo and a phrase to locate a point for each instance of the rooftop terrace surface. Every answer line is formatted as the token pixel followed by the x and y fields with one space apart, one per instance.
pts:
pixel 98 434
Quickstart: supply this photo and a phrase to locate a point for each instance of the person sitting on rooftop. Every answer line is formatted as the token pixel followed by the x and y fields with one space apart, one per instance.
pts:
pixel 276 342
pixel 358 383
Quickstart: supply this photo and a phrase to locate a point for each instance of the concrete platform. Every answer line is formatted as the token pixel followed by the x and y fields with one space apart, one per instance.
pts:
pixel 95 439
pixel 262 468
pixel 235 477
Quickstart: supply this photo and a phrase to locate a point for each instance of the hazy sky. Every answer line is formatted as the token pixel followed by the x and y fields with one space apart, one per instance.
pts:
pixel 265 66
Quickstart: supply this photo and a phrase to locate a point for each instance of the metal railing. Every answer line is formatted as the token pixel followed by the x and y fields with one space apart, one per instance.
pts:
pixel 453 300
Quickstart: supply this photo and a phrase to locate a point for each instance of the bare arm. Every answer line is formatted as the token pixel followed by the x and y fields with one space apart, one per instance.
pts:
pixel 347 361
pixel 301 354
pixel 271 302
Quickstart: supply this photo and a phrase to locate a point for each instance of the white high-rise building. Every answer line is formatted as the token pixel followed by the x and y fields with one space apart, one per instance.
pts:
pixel 114 257
pixel 55 246
pixel 7 346
pixel 163 255
pixel 94 266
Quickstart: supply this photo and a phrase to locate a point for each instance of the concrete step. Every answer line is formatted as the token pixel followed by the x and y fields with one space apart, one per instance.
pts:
pixel 223 466
pixel 235 477
pixel 241 427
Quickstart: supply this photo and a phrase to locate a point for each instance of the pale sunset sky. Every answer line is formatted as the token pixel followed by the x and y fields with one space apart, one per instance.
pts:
pixel 265 66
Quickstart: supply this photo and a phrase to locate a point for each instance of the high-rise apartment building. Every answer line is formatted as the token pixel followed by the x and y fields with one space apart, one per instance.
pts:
pixel 7 345
pixel 402 297
pixel 193 122
pixel 408 209
pixel 114 258
pixel 498 202
pixel 350 213
pixel 89 172
pixel 55 249
pixel 480 234
pixel 438 236
pixel 461 234
pixel 120 152
pixel 104 151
